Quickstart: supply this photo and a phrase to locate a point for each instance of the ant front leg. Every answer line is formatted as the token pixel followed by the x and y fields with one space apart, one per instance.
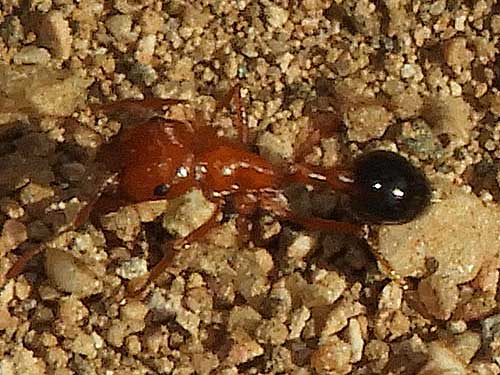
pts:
pixel 322 125
pixel 270 202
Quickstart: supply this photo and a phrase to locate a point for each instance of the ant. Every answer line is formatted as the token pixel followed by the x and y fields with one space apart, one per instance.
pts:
pixel 164 158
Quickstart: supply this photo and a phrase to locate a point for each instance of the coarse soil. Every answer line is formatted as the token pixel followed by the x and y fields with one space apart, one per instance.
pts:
pixel 421 78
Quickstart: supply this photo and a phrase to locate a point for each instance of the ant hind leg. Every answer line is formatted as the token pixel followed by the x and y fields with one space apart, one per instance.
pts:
pixel 234 96
pixel 246 205
pixel 82 216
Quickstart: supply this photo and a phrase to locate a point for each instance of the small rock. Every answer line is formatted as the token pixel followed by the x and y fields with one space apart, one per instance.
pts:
pixel 326 288
pixel 271 332
pixel 145 49
pixel 298 320
pixel 125 223
pixel 69 276
pixel 442 361
pixel 54 33
pixel 32 55
pixel 458 233
pixel 84 344
pixel 130 269
pixel 356 340
pixel 121 27
pixel 55 96
pixel 187 213
pixel 300 244
pixel 457 55
pixel 243 349
pixel 451 116
pixel 332 357
pixel 367 122
pixel 275 15
pixel 252 269
pixel 34 193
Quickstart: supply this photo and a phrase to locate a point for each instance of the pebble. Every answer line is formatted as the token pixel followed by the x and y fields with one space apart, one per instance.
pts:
pixel 32 55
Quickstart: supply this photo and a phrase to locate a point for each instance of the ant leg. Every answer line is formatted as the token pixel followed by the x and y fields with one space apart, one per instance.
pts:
pixel 246 205
pixel 324 225
pixel 323 124
pixel 138 285
pixel 199 121
pixel 140 106
pixel 270 203
pixel 238 119
pixel 18 267
pixel 311 139
pixel 94 203
pixel 337 179
pixel 234 96
pixel 225 102
pixel 81 217
pixel 326 116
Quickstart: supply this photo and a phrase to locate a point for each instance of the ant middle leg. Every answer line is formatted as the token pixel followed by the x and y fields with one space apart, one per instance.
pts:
pixel 138 285
pixel 269 202
pixel 337 179
pixel 21 262
pixel 321 125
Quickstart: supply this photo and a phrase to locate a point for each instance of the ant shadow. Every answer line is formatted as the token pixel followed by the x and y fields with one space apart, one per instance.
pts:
pixel 41 180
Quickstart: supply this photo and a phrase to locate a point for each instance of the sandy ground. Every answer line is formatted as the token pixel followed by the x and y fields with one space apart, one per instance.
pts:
pixel 418 77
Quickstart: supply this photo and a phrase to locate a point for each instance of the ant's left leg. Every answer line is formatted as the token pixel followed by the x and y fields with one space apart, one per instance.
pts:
pixel 138 285
pixel 234 96
pixel 271 203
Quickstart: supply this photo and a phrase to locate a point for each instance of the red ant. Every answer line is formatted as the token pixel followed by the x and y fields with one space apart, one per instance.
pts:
pixel 164 158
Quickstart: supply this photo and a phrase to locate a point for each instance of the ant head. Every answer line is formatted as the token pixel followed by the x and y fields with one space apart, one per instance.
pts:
pixel 388 189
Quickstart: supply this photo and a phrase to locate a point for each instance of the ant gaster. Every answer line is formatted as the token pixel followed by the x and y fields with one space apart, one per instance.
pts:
pixel 164 158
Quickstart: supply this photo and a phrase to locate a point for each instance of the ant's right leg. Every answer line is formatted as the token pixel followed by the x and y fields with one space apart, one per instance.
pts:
pixel 135 106
pixel 321 125
pixel 335 178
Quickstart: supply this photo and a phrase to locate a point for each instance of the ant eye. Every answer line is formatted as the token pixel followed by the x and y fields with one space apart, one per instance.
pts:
pixel 388 189
pixel 161 190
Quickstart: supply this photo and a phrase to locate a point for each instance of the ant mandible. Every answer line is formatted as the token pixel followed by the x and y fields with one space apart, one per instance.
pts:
pixel 165 158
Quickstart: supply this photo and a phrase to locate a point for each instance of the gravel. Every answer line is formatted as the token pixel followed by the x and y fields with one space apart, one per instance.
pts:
pixel 421 78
